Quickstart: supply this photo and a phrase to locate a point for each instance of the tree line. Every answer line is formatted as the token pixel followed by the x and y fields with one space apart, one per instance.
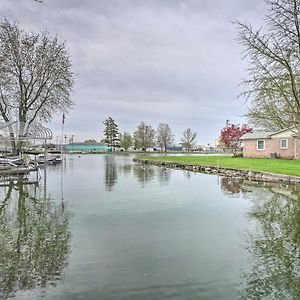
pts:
pixel 146 137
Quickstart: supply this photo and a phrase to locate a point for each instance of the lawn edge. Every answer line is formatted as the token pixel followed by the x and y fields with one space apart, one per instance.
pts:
pixel 224 171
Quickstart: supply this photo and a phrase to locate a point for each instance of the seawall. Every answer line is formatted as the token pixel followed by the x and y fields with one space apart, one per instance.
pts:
pixel 249 174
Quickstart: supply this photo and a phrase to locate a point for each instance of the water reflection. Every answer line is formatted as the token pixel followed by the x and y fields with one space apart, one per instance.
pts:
pixel 274 245
pixel 187 174
pixel 164 175
pixel 126 168
pixel 232 187
pixel 159 242
pixel 111 174
pixel 143 173
pixel 34 240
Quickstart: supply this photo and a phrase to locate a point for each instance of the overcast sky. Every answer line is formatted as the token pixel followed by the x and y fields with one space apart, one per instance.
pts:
pixel 170 61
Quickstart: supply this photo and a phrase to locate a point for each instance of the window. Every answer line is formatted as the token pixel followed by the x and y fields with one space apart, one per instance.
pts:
pixel 284 143
pixel 260 145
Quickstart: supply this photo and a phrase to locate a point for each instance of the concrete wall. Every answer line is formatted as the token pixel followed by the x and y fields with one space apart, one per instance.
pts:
pixel 272 145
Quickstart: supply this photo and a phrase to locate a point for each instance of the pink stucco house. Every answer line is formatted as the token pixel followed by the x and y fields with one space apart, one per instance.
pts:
pixel 263 144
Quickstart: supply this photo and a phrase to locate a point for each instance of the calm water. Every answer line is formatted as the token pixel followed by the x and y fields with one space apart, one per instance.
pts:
pixel 105 228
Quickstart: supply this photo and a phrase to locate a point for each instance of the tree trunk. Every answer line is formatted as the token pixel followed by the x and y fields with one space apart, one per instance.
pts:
pixel 234 151
pixel 20 135
pixel 12 138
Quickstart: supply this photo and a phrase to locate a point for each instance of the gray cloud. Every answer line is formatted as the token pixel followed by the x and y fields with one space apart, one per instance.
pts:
pixel 158 61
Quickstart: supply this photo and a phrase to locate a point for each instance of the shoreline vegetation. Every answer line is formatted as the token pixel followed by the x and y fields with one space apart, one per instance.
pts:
pixel 253 168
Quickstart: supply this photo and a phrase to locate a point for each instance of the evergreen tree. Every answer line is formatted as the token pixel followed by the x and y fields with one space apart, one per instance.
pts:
pixel 111 132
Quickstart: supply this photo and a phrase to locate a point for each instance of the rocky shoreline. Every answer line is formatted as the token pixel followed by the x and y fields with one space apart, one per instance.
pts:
pixel 249 174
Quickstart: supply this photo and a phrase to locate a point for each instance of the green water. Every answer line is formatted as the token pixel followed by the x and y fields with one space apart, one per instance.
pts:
pixel 105 228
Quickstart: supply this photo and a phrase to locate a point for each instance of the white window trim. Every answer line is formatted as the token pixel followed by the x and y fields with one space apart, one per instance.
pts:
pixel 287 144
pixel 257 145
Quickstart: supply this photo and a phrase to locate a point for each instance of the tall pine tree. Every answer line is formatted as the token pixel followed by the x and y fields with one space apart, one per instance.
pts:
pixel 111 133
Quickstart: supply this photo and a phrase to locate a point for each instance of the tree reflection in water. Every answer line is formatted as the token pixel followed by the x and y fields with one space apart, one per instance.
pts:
pixel 232 186
pixel 34 240
pixel 164 175
pixel 187 174
pixel 144 174
pixel 274 245
pixel 111 174
pixel 126 168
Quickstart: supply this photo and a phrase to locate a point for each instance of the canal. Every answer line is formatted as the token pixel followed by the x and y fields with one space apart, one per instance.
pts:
pixel 103 227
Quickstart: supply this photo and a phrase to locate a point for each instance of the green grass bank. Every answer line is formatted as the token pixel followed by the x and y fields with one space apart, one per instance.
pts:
pixel 278 166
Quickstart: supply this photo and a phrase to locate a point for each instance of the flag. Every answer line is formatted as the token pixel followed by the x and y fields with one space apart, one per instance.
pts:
pixel 63 119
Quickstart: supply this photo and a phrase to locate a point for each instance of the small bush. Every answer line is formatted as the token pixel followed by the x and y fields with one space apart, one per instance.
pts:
pixel 237 155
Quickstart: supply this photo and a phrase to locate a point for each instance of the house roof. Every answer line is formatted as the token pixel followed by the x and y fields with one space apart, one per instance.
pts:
pixel 257 134
pixel 293 128
pixel 262 134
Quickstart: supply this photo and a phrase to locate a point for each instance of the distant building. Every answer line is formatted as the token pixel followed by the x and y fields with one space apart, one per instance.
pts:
pixel 90 147
pixel 262 144
pixel 219 145
pixel 174 148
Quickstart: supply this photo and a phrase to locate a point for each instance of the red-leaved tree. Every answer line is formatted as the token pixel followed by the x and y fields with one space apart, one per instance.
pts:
pixel 231 134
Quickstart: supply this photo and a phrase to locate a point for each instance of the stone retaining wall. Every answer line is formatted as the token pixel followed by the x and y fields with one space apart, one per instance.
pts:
pixel 249 174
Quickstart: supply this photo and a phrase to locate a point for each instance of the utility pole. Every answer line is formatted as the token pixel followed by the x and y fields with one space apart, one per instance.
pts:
pixel 65 141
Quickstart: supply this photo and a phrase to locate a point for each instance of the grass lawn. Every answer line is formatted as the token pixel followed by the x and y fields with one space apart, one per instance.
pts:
pixel 278 166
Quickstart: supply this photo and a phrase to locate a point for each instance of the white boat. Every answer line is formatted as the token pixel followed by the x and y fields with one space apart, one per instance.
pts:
pixel 50 159
pixel 41 159
pixel 12 160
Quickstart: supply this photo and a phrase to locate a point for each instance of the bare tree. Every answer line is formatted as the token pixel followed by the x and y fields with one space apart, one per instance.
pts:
pixel 273 85
pixel 188 140
pixel 269 114
pixel 125 140
pixel 164 136
pixel 144 136
pixel 35 78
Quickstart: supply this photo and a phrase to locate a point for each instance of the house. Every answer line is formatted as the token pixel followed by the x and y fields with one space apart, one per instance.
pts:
pixel 263 144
